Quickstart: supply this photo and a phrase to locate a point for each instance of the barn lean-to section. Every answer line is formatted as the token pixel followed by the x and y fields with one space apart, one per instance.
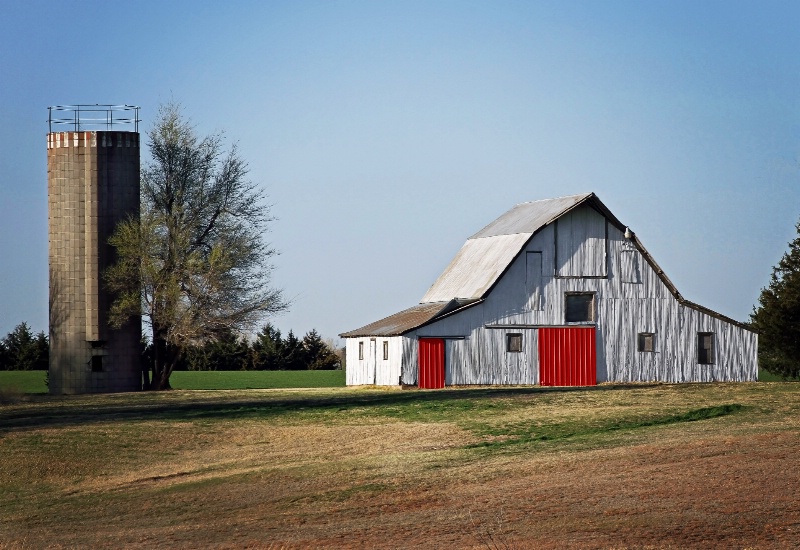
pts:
pixel 555 284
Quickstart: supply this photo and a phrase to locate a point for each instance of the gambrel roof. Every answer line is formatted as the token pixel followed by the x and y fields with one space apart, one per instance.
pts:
pixel 488 254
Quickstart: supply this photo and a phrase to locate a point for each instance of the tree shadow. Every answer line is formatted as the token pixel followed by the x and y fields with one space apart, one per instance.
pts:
pixel 53 412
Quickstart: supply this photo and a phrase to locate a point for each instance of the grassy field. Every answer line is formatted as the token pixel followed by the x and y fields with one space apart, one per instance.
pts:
pixel 34 381
pixel 628 466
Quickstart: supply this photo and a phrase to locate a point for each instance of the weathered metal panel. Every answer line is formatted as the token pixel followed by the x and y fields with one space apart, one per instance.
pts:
pixel 533 280
pixel 529 217
pixel 431 363
pixel 581 244
pixel 567 356
pixel 409 371
pixel 629 266
pixel 360 368
pixel 476 267
pixel 388 366
pixel 397 324
pixel 372 368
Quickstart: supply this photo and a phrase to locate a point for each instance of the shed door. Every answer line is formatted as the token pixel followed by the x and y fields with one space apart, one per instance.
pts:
pixel 431 363
pixel 567 356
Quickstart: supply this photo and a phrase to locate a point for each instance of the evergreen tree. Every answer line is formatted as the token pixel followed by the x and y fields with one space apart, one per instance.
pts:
pixel 267 350
pixel 226 352
pixel 22 350
pixel 5 356
pixel 294 355
pixel 318 355
pixel 777 317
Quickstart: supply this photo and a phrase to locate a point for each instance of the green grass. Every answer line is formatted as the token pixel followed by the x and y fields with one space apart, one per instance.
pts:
pixel 517 433
pixel 255 380
pixel 23 381
pixel 34 381
pixel 764 376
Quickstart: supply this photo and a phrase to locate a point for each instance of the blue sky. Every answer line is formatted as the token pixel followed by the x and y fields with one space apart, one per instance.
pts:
pixel 386 133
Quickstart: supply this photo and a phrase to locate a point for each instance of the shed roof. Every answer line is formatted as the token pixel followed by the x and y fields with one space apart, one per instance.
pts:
pixel 409 319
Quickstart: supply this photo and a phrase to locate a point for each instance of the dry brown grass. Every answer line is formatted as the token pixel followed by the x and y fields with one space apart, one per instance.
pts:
pixel 393 469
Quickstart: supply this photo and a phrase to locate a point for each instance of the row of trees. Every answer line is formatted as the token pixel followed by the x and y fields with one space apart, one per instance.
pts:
pixel 21 349
pixel 268 351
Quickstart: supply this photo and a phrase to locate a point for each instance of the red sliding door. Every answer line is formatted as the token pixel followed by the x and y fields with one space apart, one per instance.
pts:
pixel 567 356
pixel 431 363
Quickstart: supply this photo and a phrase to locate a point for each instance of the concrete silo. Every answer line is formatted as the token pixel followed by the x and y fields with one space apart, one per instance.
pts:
pixel 92 184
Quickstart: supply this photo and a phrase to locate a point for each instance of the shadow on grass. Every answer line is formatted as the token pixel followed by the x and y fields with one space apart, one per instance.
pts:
pixel 526 433
pixel 433 402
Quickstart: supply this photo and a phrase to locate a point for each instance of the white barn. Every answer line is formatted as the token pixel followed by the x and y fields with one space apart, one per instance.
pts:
pixel 553 292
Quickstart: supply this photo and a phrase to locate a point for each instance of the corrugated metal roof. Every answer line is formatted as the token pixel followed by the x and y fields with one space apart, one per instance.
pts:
pixel 529 217
pixel 401 322
pixel 411 318
pixel 488 253
pixel 476 267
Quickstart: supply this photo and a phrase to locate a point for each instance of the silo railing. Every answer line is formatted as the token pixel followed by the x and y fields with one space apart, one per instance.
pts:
pixel 93 117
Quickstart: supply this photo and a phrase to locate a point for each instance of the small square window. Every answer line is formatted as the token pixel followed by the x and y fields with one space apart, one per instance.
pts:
pixel 514 342
pixel 385 350
pixel 705 348
pixel 646 341
pixel 360 351
pixel 579 308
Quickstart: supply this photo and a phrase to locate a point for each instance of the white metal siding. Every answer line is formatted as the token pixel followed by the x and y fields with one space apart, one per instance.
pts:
pixel 388 370
pixel 410 358
pixel 373 369
pixel 581 244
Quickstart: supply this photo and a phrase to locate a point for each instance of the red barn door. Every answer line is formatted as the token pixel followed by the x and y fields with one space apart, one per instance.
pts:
pixel 567 356
pixel 431 363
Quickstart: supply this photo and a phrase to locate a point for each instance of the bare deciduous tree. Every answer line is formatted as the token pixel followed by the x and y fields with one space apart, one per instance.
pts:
pixel 195 264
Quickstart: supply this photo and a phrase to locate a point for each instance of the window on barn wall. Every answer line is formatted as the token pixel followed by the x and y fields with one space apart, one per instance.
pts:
pixel 385 350
pixel 705 348
pixel 646 341
pixel 629 266
pixel 514 342
pixel 579 307
pixel 533 280
pixel 360 351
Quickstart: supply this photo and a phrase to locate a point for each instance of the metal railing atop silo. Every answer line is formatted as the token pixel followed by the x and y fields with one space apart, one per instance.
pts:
pixel 93 117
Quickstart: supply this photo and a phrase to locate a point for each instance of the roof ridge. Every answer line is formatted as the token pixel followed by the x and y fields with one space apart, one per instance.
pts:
pixel 557 198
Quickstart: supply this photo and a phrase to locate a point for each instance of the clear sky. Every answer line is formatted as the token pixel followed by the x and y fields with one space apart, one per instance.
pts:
pixel 386 133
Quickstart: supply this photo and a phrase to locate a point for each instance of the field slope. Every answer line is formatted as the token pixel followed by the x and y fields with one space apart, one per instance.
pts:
pixel 655 466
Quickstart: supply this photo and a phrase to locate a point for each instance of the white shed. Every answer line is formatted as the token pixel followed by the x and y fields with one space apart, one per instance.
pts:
pixel 553 292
